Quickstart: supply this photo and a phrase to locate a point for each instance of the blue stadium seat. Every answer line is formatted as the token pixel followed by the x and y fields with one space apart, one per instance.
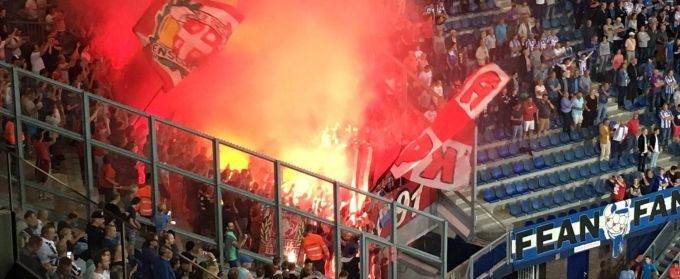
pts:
pixel 548 160
pixel 558 198
pixel 559 157
pixel 544 142
pixel 578 35
pixel 480 177
pixel 564 137
pixel 518 167
pixel 579 194
pixel 554 139
pixel 602 187
pixel 532 183
pixel 528 165
pixel 514 149
pixel 555 22
pixel 515 210
pixel 613 164
pixel 569 155
pixel 465 23
pixel 562 214
pixel 572 211
pixel 507 170
pixel 534 145
pixel 526 207
pixel 632 160
pixel 595 205
pixel 492 154
pixel 500 192
pixel 590 150
pixel 628 105
pixel 604 166
pixel 594 168
pixel 569 195
pixel 539 162
pixel 550 217
pixel 540 220
pixel 580 153
pixel 503 151
pixel 543 181
pixel 554 179
pixel 510 189
pixel 564 176
pixel 488 136
pixel 548 201
pixel 536 204
pixel 584 171
pixel 529 223
pixel 481 157
pixel 576 135
pixel 497 173
pixel 574 174
pixel 583 208
pixel 486 176
pixel 489 195
pixel 521 187
pixel 589 191
pixel 546 23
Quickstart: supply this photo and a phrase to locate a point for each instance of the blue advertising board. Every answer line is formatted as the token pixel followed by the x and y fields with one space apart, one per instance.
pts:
pixel 588 229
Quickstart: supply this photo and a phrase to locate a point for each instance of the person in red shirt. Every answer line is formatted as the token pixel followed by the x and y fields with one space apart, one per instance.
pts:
pixel 529 116
pixel 674 271
pixel 619 191
pixel 42 145
pixel 107 180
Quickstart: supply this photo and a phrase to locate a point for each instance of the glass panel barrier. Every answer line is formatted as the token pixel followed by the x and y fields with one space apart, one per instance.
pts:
pixel 181 199
pixel 410 266
pixel 181 149
pixel 119 127
pixel 307 193
pixel 246 171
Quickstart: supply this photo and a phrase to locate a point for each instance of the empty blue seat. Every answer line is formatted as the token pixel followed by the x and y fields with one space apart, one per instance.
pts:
pixel 594 168
pixel 595 205
pixel 526 207
pixel 540 220
pixel 492 154
pixel 558 198
pixel 550 217
pixel 503 151
pixel 521 187
pixel 510 190
pixel 539 162
pixel 589 191
pixel 481 157
pixel 558 157
pixel 584 171
pixel 574 174
pixel 632 160
pixel 507 170
pixel 529 223
pixel 583 208
pixel 576 135
pixel 515 210
pixel 543 181
pixel 564 176
pixel 554 139
pixel 601 187
pixel 489 195
pixel 528 165
pixel 480 177
pixel 580 153
pixel 569 155
pixel 562 214
pixel 534 145
pixel 486 176
pixel 532 183
pixel 537 204
pixel 546 23
pixel 604 166
pixel 572 211
pixel 518 167
pixel 613 164
pixel 569 195
pixel 544 142
pixel 555 22
pixel 554 179
pixel 564 137
pixel 500 192
pixel 497 173
pixel 590 151
pixel 579 194
pixel 548 201
pixel 514 149
pixel 488 136
pixel 549 161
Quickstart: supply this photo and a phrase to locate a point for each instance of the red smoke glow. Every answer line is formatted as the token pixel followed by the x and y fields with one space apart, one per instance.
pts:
pixel 292 68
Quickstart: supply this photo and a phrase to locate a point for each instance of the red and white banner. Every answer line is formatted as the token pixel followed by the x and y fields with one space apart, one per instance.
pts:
pixel 182 34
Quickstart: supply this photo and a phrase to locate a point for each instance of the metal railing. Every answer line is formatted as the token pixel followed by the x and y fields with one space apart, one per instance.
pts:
pixel 662 240
pixel 155 130
pixel 466 270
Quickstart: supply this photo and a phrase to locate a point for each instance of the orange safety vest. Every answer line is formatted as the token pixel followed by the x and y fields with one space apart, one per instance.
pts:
pixel 145 205
pixel 313 246
pixel 9 133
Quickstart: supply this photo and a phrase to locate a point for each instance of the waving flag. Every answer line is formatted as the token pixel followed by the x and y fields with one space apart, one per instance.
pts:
pixel 182 34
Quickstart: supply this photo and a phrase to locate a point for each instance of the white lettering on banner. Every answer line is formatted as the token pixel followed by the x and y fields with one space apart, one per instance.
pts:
pixel 415 152
pixel 477 94
pixel 448 168
pixel 410 200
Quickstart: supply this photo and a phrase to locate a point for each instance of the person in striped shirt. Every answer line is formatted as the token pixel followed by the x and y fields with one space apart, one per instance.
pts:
pixel 666 118
pixel 670 86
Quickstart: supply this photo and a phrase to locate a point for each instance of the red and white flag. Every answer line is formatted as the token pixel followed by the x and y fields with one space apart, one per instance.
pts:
pixel 182 34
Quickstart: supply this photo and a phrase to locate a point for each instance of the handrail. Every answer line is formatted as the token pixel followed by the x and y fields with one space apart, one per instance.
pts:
pixel 670 228
pixel 118 218
pixel 468 265
pixel 665 272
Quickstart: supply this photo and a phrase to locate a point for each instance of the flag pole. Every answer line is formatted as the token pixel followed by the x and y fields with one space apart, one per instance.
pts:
pixel 148 104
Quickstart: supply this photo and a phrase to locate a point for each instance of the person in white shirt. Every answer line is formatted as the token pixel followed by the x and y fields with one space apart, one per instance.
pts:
pixel 655 147
pixel 100 269
pixel 431 114
pixel 426 75
pixel 620 133
pixel 48 251
pixel 37 63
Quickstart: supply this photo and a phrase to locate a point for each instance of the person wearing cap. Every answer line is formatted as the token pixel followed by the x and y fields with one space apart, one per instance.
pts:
pixel 674 271
pixel 630 46
pixel 244 270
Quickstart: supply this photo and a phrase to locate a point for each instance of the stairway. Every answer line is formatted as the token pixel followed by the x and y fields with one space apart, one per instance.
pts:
pixel 669 255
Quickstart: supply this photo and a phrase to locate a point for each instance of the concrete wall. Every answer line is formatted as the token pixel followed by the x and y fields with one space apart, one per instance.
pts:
pixel 6 238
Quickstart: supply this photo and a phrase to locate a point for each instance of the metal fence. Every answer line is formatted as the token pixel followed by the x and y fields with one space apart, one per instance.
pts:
pixel 405 261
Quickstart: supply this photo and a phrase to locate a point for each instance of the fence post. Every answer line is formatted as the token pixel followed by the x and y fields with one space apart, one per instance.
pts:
pixel 278 211
pixel 218 201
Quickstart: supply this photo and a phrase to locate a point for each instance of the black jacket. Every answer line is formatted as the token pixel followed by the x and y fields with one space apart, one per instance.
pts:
pixel 651 141
pixel 641 142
